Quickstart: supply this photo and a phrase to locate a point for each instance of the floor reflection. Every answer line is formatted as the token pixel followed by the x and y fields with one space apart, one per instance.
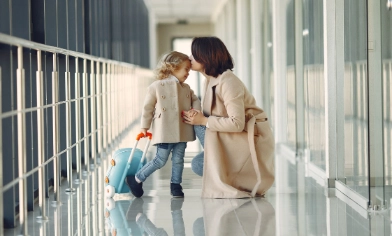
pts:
pixel 236 217
pixel 296 206
pixel 121 217
pixel 220 217
pixel 127 217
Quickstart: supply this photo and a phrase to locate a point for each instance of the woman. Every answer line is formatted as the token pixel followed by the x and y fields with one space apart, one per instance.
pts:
pixel 237 161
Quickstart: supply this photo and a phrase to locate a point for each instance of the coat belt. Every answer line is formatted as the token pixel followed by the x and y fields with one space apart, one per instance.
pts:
pixel 251 130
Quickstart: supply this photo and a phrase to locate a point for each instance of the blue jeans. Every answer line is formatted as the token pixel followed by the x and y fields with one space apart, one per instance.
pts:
pixel 160 159
pixel 198 160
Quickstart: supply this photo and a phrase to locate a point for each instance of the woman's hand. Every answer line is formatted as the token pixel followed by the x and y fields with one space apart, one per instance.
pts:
pixel 194 117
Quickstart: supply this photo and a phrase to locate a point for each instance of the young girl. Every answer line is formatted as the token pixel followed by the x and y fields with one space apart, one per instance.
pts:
pixel 165 99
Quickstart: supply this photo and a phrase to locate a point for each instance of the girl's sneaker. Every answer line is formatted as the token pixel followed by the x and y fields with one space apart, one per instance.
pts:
pixel 176 190
pixel 135 187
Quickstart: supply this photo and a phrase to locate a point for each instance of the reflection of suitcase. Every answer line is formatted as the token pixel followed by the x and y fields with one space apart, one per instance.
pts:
pixel 126 161
pixel 118 220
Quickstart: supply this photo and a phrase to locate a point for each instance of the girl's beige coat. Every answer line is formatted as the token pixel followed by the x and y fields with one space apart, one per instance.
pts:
pixel 164 101
pixel 229 171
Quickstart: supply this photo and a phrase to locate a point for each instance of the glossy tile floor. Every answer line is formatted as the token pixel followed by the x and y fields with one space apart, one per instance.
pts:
pixel 296 205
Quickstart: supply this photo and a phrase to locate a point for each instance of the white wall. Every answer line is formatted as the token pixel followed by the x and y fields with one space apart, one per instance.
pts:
pixel 167 32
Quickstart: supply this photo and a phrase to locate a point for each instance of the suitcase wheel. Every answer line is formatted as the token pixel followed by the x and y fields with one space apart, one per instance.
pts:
pixel 113 162
pixel 106 179
pixel 110 204
pixel 107 214
pixel 109 191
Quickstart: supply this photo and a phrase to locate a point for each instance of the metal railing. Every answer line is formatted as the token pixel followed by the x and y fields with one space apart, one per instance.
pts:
pixel 106 101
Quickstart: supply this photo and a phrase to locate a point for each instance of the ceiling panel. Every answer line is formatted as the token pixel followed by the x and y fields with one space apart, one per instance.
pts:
pixel 192 11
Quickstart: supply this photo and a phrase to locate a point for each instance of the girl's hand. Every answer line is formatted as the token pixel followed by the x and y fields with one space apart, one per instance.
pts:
pixel 194 117
pixel 144 131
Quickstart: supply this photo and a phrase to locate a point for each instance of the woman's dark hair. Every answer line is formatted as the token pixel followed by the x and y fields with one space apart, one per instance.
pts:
pixel 212 53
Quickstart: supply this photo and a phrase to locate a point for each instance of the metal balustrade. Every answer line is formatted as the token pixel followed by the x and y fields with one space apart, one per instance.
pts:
pixel 100 100
pixel 387 120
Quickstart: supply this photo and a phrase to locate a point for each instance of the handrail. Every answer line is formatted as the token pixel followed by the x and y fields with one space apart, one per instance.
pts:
pixel 15 41
pixel 100 100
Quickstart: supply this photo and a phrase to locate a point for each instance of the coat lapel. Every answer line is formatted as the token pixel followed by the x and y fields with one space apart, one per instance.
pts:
pixel 211 82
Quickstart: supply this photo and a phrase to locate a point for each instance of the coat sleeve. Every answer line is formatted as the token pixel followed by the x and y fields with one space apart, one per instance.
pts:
pixel 232 93
pixel 196 104
pixel 148 108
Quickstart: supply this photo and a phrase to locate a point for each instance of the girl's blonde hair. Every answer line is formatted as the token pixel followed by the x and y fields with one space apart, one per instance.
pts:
pixel 169 63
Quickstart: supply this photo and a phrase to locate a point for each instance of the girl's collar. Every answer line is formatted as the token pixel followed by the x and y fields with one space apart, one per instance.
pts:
pixel 173 78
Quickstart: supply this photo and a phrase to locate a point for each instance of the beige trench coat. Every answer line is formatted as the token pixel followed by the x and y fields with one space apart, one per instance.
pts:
pixel 165 100
pixel 239 144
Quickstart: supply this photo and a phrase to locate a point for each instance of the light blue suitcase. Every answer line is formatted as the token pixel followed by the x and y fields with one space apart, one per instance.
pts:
pixel 125 161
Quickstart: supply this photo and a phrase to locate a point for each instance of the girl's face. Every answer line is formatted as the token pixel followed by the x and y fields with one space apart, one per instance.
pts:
pixel 196 66
pixel 183 71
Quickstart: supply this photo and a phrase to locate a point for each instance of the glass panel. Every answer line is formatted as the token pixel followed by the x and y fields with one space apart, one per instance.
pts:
pixel 290 76
pixel 355 97
pixel 313 52
pixel 386 39
pixel 267 67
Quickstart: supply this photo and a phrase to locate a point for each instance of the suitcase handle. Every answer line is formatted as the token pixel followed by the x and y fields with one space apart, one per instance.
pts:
pixel 138 137
pixel 141 135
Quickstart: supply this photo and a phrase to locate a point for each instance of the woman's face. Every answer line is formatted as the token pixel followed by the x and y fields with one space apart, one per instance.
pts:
pixel 196 66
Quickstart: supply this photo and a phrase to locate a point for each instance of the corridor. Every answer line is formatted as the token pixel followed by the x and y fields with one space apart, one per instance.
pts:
pixel 295 206
pixel 73 78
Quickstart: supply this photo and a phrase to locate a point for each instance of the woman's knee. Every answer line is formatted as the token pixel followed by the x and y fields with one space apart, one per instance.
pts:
pixel 198 163
pixel 197 170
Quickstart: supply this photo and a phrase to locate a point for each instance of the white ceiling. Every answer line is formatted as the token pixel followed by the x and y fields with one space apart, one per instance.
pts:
pixel 193 11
